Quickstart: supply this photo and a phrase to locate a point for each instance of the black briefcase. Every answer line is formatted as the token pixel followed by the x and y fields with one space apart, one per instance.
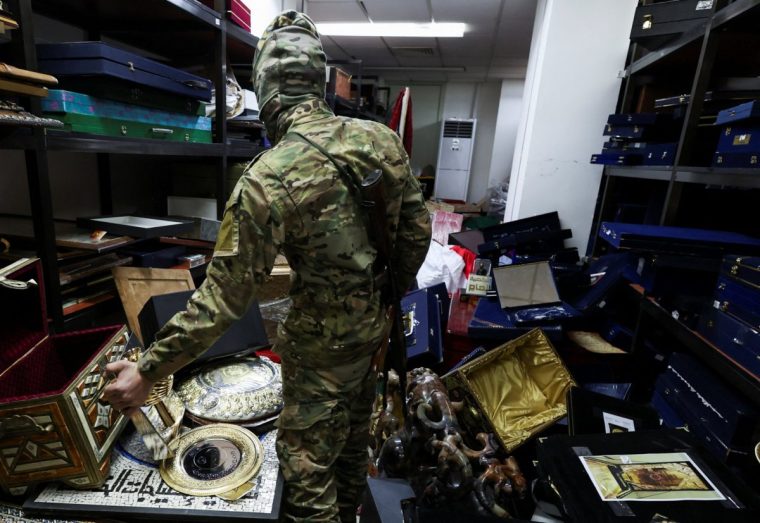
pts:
pixel 656 24
pixel 243 337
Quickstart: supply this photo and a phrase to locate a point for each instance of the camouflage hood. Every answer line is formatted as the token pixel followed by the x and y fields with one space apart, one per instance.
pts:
pixel 289 67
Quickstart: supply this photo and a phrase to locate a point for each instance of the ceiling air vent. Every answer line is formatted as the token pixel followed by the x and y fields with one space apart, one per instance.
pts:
pixel 411 52
pixel 457 129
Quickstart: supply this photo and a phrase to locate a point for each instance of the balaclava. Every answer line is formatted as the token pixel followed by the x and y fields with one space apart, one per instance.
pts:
pixel 289 67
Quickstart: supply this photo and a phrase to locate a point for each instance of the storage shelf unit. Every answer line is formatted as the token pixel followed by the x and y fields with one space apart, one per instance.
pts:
pixel 185 33
pixel 700 175
pixel 689 193
pixel 346 107
pixel 730 371
pixel 723 46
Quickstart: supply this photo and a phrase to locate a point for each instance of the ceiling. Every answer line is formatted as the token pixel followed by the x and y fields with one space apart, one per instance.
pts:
pixel 495 45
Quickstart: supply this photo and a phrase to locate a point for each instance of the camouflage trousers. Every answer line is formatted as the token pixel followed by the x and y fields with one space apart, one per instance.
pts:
pixel 322 440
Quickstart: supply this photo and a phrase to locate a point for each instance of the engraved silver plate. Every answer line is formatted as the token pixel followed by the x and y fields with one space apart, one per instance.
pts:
pixel 241 391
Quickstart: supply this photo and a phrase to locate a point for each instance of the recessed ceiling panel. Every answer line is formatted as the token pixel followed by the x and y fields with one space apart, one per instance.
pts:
pixel 471 44
pixel 466 51
pixel 332 50
pixel 396 41
pixel 335 11
pixel 401 77
pixel 398 10
pixel 478 11
pixel 359 42
pixel 419 61
pixel 515 29
pixel 372 51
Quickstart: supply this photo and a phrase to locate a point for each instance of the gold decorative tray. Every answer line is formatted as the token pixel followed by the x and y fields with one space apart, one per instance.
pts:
pixel 218 459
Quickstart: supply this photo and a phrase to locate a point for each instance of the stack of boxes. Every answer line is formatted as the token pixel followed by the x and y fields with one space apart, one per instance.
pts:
pixel 236 11
pixel 736 148
pixel 113 92
pixel 732 324
pixel 640 139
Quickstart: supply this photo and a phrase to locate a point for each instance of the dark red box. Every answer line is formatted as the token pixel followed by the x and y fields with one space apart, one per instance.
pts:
pixel 236 11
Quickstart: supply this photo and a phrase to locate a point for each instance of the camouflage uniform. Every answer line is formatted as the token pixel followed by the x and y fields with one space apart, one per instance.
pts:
pixel 292 199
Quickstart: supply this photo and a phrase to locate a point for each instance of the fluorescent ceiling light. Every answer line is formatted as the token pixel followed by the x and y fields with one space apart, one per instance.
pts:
pixel 438 30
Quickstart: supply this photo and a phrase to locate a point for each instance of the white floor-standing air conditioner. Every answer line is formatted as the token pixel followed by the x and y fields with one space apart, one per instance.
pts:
pixel 455 158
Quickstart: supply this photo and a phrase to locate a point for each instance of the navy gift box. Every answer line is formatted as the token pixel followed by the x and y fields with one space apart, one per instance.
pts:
pixel 739 139
pixel 738 160
pixel 491 322
pixel 738 300
pixel 616 158
pixel 744 269
pixel 425 312
pixel 676 240
pixel 734 338
pixel 102 59
pixel 604 273
pixel 722 419
pixel 745 111
pixel 739 145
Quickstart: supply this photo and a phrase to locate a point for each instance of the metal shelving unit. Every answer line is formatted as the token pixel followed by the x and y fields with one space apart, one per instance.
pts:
pixel 700 54
pixel 186 32
pixel 749 178
pixel 696 61
pixel 346 107
pixel 653 315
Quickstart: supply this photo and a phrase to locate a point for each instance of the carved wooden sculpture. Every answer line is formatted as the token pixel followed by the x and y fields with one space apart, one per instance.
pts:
pixel 430 452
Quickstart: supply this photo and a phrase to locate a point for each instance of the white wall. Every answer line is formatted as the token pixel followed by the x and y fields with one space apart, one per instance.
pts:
pixel 571 87
pixel 263 11
pixel 505 136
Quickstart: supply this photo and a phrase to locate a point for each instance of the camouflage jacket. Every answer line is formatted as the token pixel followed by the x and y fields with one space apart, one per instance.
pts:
pixel 292 199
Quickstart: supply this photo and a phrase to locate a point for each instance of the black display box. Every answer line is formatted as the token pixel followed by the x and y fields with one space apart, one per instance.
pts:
pixel 243 337
pixel 560 463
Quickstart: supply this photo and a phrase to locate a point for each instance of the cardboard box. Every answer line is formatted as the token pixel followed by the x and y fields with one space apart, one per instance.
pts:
pixel 342 83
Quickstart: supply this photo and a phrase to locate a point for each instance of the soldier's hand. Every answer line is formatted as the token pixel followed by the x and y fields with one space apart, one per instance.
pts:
pixel 129 390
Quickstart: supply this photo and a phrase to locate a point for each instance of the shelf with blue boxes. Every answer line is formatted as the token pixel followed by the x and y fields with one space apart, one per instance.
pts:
pixel 696 344
pixel 678 179
pixel 684 213
pixel 183 34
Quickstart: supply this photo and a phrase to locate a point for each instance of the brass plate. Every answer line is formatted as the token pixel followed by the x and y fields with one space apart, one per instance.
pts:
pixel 239 391
pixel 213 460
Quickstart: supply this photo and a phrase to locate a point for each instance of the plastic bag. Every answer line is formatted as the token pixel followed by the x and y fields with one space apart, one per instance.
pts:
pixel 497 200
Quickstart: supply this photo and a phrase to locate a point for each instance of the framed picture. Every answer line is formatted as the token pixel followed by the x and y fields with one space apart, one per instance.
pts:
pixel 670 476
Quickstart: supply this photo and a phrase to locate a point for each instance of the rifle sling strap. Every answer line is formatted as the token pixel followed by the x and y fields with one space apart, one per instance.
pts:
pixel 352 182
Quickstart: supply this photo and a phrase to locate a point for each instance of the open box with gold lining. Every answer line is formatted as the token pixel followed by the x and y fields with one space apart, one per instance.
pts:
pixel 515 390
pixel 53 422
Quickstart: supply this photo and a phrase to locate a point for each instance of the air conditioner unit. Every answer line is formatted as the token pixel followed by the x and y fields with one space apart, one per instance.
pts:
pixel 455 158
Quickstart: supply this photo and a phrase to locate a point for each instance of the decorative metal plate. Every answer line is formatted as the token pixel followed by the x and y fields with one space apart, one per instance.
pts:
pixel 240 391
pixel 213 460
